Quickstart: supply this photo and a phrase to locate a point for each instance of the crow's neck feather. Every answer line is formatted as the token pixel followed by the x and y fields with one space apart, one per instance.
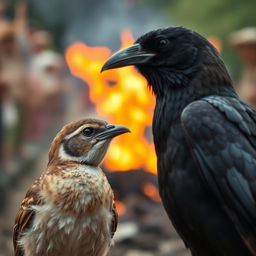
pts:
pixel 171 100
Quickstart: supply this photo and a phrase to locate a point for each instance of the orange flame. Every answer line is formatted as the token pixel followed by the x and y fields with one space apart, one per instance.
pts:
pixel 216 42
pixel 120 207
pixel 151 191
pixel 122 97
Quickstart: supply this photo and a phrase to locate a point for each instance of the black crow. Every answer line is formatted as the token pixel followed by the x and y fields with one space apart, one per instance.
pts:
pixel 205 141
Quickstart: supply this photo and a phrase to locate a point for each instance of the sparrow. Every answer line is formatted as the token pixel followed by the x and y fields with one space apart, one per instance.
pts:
pixel 70 209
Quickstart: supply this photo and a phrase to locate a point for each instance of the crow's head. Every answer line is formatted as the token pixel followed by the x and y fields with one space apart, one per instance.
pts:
pixel 171 57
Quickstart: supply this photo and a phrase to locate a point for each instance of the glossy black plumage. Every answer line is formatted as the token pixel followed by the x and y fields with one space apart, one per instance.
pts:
pixel 205 140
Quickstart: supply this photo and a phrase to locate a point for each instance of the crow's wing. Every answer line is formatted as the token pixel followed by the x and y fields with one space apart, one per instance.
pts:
pixel 222 134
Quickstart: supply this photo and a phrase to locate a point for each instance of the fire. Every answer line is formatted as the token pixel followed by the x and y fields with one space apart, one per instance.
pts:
pixel 216 42
pixel 151 191
pixel 120 207
pixel 121 96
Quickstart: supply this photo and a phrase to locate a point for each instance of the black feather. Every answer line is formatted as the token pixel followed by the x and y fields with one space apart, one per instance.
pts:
pixel 205 139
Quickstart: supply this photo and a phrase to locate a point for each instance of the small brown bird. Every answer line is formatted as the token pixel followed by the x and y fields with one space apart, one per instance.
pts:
pixel 70 209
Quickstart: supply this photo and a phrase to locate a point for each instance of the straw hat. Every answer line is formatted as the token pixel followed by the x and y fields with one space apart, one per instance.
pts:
pixel 243 36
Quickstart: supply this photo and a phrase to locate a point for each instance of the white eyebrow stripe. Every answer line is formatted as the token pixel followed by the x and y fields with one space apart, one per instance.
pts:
pixel 77 131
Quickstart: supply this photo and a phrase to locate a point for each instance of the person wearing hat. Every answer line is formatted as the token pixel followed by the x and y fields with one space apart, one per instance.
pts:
pixel 13 72
pixel 244 43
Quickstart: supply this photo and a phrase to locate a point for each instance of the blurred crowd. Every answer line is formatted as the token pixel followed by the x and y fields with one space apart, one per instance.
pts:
pixel 32 86
pixel 243 42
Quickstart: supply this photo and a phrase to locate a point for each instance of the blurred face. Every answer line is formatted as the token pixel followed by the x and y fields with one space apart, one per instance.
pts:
pixel 8 44
pixel 247 53
pixel 40 40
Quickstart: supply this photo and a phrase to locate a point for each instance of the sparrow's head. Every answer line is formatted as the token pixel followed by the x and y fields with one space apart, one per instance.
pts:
pixel 172 57
pixel 84 141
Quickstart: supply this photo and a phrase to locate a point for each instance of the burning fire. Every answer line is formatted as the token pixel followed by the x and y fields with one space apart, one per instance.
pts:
pixel 120 207
pixel 216 42
pixel 122 97
pixel 151 191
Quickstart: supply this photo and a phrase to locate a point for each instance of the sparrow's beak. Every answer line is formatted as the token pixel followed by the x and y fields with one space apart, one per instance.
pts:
pixel 132 55
pixel 112 131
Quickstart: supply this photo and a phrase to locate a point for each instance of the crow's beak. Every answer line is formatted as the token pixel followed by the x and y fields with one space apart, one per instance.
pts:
pixel 112 131
pixel 132 55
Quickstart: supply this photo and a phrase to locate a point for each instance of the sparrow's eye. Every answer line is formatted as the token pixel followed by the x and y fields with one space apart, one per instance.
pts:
pixel 88 131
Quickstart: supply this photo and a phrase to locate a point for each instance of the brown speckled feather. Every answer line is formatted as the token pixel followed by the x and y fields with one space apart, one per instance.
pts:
pixel 114 220
pixel 25 215
pixel 70 210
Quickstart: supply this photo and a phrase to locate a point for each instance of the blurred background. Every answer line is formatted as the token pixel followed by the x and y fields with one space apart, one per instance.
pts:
pixel 51 53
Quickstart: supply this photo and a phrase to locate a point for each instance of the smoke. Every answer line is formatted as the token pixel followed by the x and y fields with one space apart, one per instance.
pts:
pixel 99 22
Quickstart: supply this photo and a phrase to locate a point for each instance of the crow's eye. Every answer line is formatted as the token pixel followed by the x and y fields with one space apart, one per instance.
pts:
pixel 162 43
pixel 88 131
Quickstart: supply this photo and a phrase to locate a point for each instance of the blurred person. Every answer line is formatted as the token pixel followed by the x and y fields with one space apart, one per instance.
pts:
pixel 44 75
pixel 40 40
pixel 8 124
pixel 3 96
pixel 13 75
pixel 9 119
pixel 244 43
pixel 46 83
pixel 2 8
pixel 32 39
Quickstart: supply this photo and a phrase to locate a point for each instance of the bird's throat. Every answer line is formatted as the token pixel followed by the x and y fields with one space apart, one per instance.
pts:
pixel 165 79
